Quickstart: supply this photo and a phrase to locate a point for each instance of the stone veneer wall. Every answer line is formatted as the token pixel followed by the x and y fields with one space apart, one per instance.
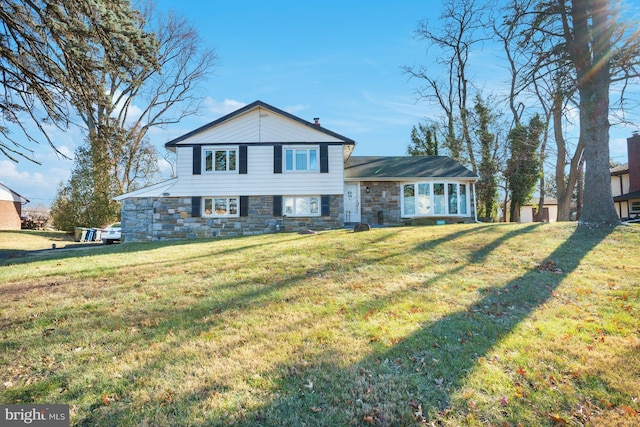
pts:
pixel 382 197
pixel 165 218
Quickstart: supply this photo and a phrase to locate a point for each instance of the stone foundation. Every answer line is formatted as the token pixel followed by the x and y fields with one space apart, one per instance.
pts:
pixel 169 218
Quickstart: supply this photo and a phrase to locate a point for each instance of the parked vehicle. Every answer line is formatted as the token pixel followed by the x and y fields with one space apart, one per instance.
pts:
pixel 111 233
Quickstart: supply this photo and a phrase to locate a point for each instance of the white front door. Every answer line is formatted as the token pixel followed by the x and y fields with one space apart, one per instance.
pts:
pixel 352 202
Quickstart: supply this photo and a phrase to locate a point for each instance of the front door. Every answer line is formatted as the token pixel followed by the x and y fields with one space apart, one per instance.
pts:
pixel 352 202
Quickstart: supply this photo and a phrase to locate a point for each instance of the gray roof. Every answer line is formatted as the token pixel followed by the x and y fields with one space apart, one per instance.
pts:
pixel 628 196
pixel 403 167
pixel 620 169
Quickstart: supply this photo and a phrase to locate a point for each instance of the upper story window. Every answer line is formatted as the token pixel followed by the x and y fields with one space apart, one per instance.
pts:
pixel 301 159
pixel 221 160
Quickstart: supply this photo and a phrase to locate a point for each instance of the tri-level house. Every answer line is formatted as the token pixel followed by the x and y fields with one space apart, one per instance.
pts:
pixel 262 170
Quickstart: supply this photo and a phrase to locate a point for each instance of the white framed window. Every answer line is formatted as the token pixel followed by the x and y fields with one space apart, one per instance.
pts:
pixel 301 159
pixel 224 159
pixel 434 199
pixel 220 207
pixel 301 205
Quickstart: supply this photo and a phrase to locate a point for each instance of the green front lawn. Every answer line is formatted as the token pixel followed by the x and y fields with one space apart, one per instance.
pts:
pixel 443 325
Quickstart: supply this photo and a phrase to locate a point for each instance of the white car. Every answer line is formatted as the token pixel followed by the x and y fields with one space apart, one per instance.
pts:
pixel 111 233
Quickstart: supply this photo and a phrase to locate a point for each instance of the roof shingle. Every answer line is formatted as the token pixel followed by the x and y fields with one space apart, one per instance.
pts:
pixel 382 167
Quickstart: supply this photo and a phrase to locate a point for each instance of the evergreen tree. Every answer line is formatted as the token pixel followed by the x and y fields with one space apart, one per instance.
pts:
pixel 487 187
pixel 523 168
pixel 82 201
pixel 424 141
pixel 52 51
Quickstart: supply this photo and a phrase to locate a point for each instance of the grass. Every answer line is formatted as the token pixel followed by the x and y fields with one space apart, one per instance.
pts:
pixel 447 325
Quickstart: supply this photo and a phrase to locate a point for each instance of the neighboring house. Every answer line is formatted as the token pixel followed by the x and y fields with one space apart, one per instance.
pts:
pixel 549 211
pixel 261 170
pixel 10 208
pixel 625 182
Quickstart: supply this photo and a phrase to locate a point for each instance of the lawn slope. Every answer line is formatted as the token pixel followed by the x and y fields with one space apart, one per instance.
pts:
pixel 451 325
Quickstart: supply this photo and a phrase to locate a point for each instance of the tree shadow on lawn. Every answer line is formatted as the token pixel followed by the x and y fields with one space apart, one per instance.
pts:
pixel 347 394
pixel 429 366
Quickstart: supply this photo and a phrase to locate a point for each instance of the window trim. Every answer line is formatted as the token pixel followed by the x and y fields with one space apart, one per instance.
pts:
pixel 308 200
pixel 227 149
pixel 213 204
pixel 446 198
pixel 308 149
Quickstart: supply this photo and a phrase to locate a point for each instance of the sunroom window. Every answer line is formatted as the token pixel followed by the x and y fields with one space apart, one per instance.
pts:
pixel 434 199
pixel 220 206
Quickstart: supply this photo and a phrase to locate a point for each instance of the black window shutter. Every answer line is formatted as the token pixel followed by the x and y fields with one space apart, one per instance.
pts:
pixel 244 205
pixel 195 206
pixel 277 205
pixel 243 159
pixel 277 158
pixel 325 206
pixel 197 159
pixel 324 158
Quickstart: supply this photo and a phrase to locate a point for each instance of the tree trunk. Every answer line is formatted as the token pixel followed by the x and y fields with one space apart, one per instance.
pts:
pixel 580 190
pixel 590 47
pixel 598 207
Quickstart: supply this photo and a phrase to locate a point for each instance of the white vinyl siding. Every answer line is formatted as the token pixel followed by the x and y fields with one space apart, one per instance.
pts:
pixel 260 179
pixel 260 125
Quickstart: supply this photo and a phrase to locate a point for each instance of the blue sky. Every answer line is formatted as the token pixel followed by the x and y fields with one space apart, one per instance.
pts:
pixel 340 61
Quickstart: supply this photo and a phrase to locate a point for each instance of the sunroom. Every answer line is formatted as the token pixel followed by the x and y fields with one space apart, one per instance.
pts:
pixel 401 190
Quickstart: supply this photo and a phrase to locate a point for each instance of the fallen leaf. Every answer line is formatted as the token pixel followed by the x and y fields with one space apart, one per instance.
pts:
pixel 418 413
pixel 558 420
pixel 504 401
pixel 315 409
pixel 521 371
pixel 368 419
pixel 309 385
pixel 629 411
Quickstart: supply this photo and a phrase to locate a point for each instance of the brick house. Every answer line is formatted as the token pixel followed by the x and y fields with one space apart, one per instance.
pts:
pixel 10 208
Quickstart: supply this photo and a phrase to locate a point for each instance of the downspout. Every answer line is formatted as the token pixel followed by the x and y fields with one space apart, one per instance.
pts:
pixel 475 203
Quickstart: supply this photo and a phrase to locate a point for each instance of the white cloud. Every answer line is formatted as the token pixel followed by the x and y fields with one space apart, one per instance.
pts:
pixel 222 107
pixel 39 188
pixel 293 109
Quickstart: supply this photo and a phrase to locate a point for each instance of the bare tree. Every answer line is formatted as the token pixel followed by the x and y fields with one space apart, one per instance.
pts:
pixel 588 38
pixel 462 22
